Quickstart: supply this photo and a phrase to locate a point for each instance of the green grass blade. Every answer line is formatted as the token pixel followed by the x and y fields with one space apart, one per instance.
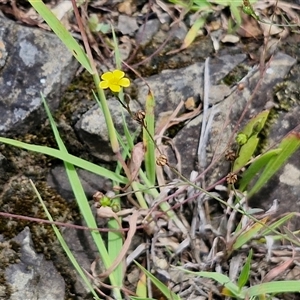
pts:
pixel 288 146
pixel 255 167
pixel 65 246
pixel 114 246
pixel 246 236
pixel 277 224
pixel 245 272
pixel 76 161
pixel 235 13
pixel 62 33
pixel 193 31
pixel 162 287
pixel 150 164
pixel 273 287
pixel 116 49
pixel 84 206
pixel 220 278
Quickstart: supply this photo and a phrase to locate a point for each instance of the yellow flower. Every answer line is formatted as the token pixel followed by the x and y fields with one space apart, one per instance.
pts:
pixel 114 80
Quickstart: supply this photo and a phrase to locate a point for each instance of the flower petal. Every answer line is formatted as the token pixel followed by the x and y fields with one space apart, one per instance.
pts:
pixel 118 74
pixel 104 84
pixel 125 82
pixel 115 88
pixel 108 76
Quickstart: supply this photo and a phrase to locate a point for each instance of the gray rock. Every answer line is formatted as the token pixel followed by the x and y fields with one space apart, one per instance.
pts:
pixel 172 86
pixel 36 62
pixel 180 31
pixel 229 111
pixel 57 179
pixel 147 31
pixel 33 277
pixel 127 25
pixel 3 54
pixel 285 184
pixel 91 128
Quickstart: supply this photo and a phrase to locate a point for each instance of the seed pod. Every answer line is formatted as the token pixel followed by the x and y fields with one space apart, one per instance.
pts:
pixel 161 160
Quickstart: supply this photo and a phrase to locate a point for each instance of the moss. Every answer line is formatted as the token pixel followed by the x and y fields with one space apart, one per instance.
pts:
pixel 286 96
pixel 5 288
pixel 236 74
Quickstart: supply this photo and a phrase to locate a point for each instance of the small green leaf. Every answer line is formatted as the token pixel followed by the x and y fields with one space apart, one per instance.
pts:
pixel 246 236
pixel 260 118
pixel 162 287
pixel 192 33
pixel 288 146
pixel 245 153
pixel 148 136
pixel 241 139
pixel 251 130
pixel 255 167
pixel 235 11
pixel 248 9
pixel 277 224
pixel 220 278
pixel 245 272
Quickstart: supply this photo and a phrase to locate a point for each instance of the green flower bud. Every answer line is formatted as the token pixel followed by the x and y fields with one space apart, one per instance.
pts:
pixel 241 139
pixel 115 206
pixel 105 201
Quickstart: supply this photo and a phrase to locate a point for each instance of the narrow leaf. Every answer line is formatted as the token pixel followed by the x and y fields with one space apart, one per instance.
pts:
pixel 65 246
pixel 273 287
pixel 220 278
pixel 288 145
pixel 79 162
pixel 192 33
pixel 62 33
pixel 255 167
pixel 161 286
pixel 245 153
pixel 251 131
pixel 249 234
pixel 148 136
pixel 245 272
pixel 277 224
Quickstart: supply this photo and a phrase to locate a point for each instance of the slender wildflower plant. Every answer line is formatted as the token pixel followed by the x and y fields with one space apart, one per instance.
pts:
pixel 113 252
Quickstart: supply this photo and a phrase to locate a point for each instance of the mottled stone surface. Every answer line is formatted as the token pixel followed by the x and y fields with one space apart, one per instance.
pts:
pixel 169 88
pixel 33 62
pixel 147 31
pixel 172 86
pixel 92 130
pixel 91 183
pixel 228 112
pixel 285 184
pixel 32 276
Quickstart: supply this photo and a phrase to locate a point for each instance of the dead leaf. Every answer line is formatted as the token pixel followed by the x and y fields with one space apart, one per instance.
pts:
pixel 269 28
pixel 230 38
pixel 190 103
pixel 137 157
pixel 107 212
pixel 278 270
pixel 249 27
pixel 61 9
pixel 127 7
